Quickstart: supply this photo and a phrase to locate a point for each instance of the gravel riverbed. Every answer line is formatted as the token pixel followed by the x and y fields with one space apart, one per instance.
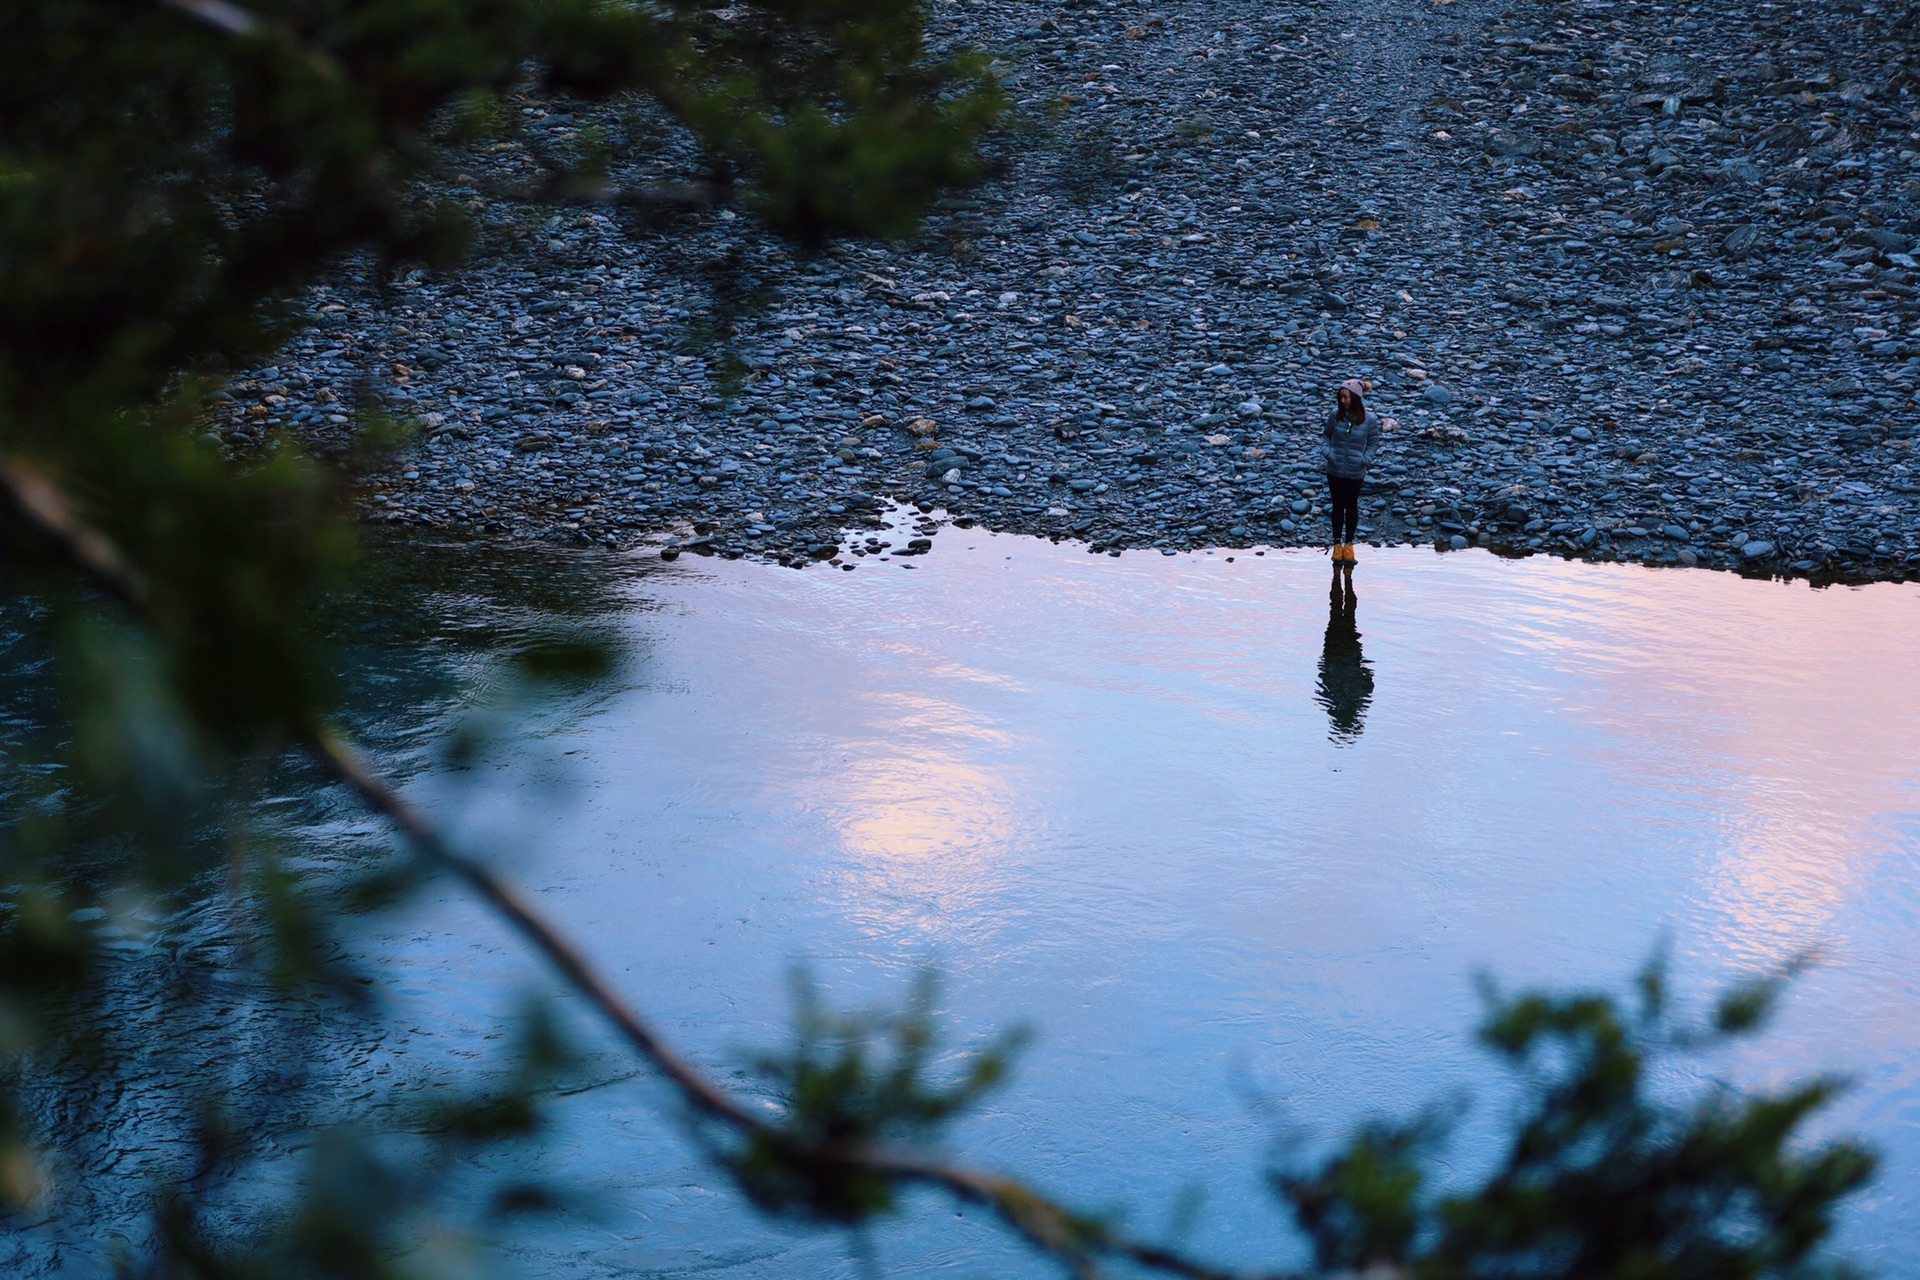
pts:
pixel 1630 280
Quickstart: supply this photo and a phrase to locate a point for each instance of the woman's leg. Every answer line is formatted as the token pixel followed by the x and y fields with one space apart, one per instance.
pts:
pixel 1346 507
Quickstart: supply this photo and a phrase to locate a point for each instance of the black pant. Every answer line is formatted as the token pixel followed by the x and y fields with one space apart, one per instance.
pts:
pixel 1345 496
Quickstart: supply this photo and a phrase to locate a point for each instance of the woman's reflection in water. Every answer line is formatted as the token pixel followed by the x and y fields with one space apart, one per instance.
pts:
pixel 1346 679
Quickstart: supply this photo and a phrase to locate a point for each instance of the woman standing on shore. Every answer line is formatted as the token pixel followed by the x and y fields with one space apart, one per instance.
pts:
pixel 1348 441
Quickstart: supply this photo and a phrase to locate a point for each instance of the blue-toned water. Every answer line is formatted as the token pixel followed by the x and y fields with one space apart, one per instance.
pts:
pixel 1232 836
pixel 1231 840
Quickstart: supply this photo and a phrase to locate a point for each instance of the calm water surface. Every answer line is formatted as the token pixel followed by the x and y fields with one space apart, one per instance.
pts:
pixel 1231 839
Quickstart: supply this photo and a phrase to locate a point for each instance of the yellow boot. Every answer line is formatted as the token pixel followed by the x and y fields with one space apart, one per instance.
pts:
pixel 1350 556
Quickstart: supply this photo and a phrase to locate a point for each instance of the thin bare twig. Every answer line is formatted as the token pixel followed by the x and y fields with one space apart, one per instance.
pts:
pixel 508 901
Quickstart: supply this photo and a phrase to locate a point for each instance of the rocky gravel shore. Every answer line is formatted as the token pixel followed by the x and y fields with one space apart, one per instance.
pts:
pixel 1631 280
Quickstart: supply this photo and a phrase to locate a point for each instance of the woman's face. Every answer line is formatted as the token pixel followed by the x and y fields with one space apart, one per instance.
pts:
pixel 1346 399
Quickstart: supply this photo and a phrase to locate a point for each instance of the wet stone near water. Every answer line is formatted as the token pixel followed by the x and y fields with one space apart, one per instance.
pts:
pixel 1613 281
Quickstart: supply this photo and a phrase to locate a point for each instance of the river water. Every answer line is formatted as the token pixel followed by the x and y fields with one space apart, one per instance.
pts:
pixel 1232 835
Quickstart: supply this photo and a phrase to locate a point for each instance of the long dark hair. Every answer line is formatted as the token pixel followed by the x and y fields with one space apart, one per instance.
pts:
pixel 1357 410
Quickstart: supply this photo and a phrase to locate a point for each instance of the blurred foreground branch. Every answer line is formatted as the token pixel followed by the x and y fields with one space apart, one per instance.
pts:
pixel 40 503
